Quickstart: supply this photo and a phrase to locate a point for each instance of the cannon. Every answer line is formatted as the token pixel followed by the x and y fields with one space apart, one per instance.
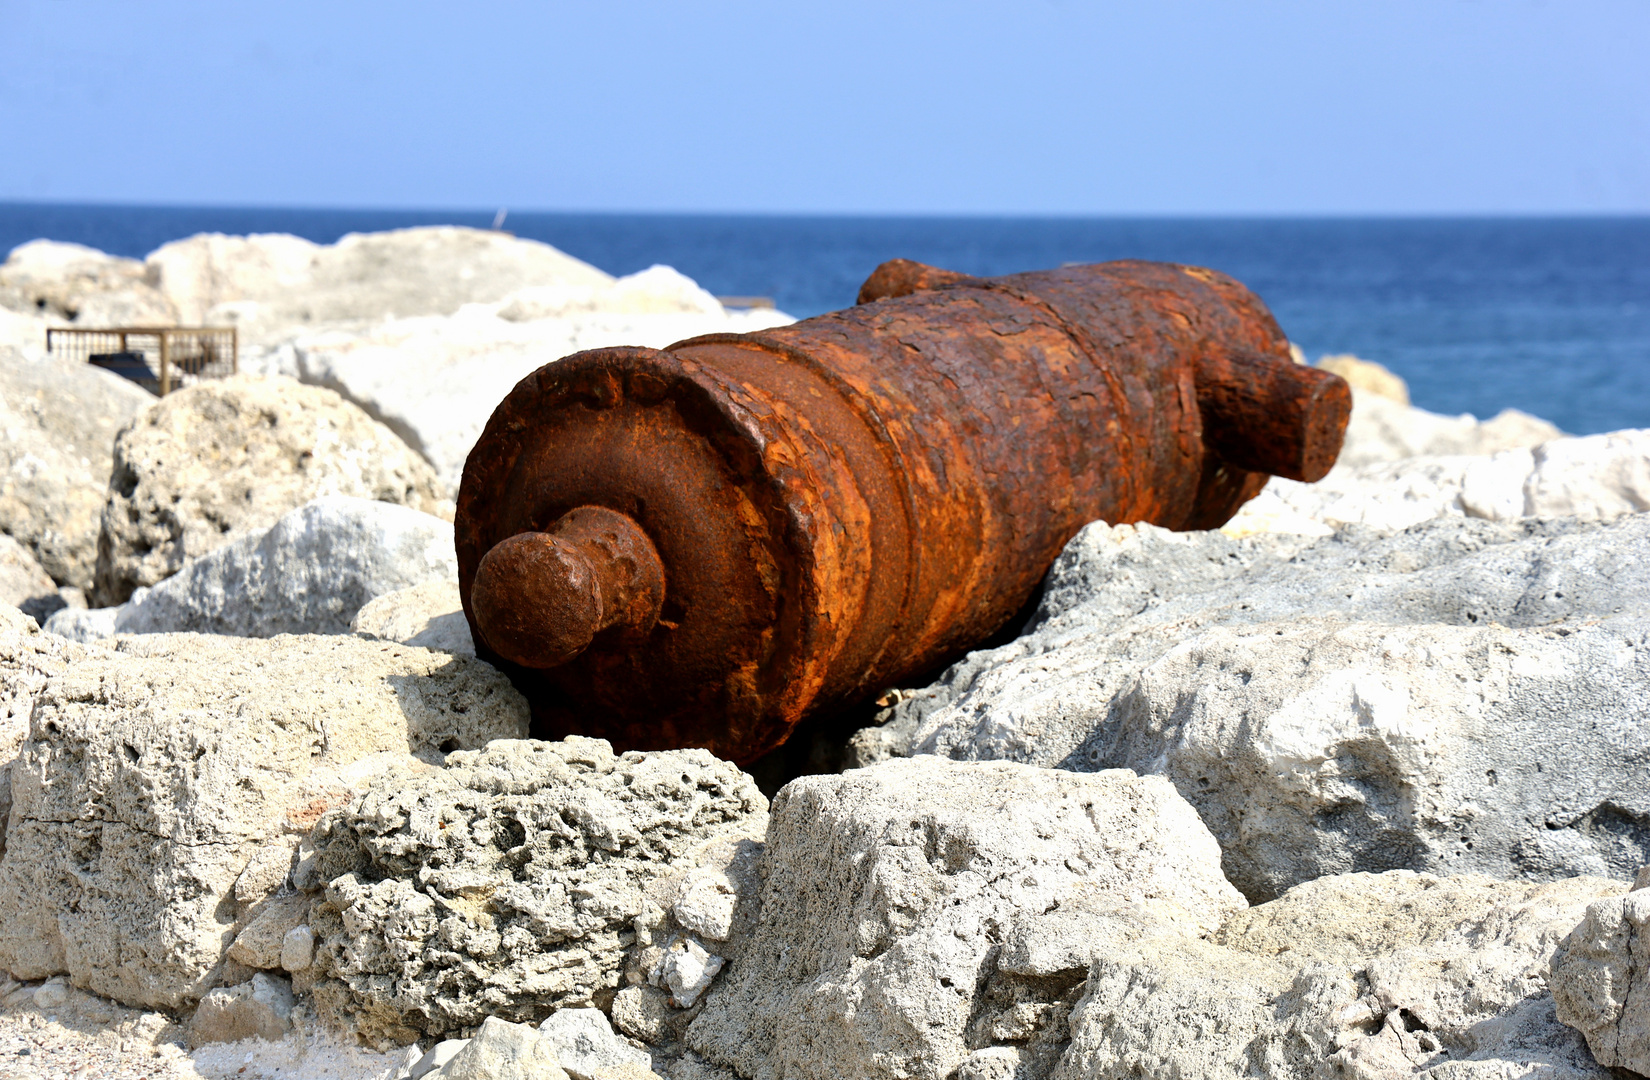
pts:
pixel 705 544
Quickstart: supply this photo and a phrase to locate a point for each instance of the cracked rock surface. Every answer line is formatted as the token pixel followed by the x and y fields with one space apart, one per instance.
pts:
pixel 1464 696
pixel 899 914
pixel 160 798
pixel 1601 979
pixel 508 883
pixel 28 657
pixel 1367 976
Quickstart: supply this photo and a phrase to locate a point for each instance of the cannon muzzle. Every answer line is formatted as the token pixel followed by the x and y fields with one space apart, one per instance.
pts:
pixel 701 545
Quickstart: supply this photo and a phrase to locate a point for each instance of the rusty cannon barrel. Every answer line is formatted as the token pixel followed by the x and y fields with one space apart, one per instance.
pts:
pixel 702 545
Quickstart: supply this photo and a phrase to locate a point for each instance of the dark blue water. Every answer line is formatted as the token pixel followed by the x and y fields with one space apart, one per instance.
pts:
pixel 1547 315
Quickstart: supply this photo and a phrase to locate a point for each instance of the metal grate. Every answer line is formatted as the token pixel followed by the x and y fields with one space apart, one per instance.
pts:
pixel 161 358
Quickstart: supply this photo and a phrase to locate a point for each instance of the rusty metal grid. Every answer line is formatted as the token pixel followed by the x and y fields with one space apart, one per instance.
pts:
pixel 177 355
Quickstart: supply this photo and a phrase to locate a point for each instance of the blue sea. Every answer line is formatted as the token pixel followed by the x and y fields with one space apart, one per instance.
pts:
pixel 1548 315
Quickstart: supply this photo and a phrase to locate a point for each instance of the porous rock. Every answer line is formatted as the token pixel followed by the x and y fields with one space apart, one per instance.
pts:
pixel 889 894
pixel 1601 980
pixel 258 1009
pixel 228 457
pixel 58 423
pixel 309 573
pixel 506 884
pixel 166 783
pixel 644 1012
pixel 1465 696
pixel 28 657
pixel 1361 975
pixel 430 616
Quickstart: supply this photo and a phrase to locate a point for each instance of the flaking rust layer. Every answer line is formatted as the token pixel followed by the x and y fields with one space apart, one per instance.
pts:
pixel 702 545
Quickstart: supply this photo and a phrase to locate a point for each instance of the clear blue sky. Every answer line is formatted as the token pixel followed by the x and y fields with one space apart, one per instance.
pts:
pixel 1040 107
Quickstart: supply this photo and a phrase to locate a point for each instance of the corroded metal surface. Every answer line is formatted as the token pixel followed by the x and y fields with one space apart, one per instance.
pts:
pixel 699 546
pixel 542 597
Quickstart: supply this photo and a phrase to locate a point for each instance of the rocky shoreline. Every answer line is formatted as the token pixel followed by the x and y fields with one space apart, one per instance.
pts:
pixel 1354 786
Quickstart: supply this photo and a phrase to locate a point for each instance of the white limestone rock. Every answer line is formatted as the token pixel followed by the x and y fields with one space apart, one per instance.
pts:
pixel 890 893
pixel 307 1052
pixel 52 993
pixel 430 616
pixel 507 883
pixel 298 949
pixel 435 381
pixel 310 573
pixel 1465 696
pixel 1383 430
pixel 699 918
pixel 166 784
pixel 258 1009
pixel 86 625
pixel 28 658
pixel 644 1012
pixel 691 1066
pixel 1595 477
pixel 1366 376
pixel 226 458
pixel 436 1057
pixel 1601 980
pixel 687 969
pixel 501 1050
pixel 23 336
pixel 201 272
pixel 1318 746
pixel 584 1044
pixel 58 423
pixel 658 290
pixel 72 283
pixel 275 282
pixel 1385 496
pixel 706 900
pixel 24 583
pixel 1362 975
pixel 261 943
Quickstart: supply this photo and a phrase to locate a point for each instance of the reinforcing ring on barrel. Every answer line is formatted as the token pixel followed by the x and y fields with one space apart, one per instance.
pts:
pixel 702 545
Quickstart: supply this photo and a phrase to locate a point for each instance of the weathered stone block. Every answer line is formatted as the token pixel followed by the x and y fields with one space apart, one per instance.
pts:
pixel 159 776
